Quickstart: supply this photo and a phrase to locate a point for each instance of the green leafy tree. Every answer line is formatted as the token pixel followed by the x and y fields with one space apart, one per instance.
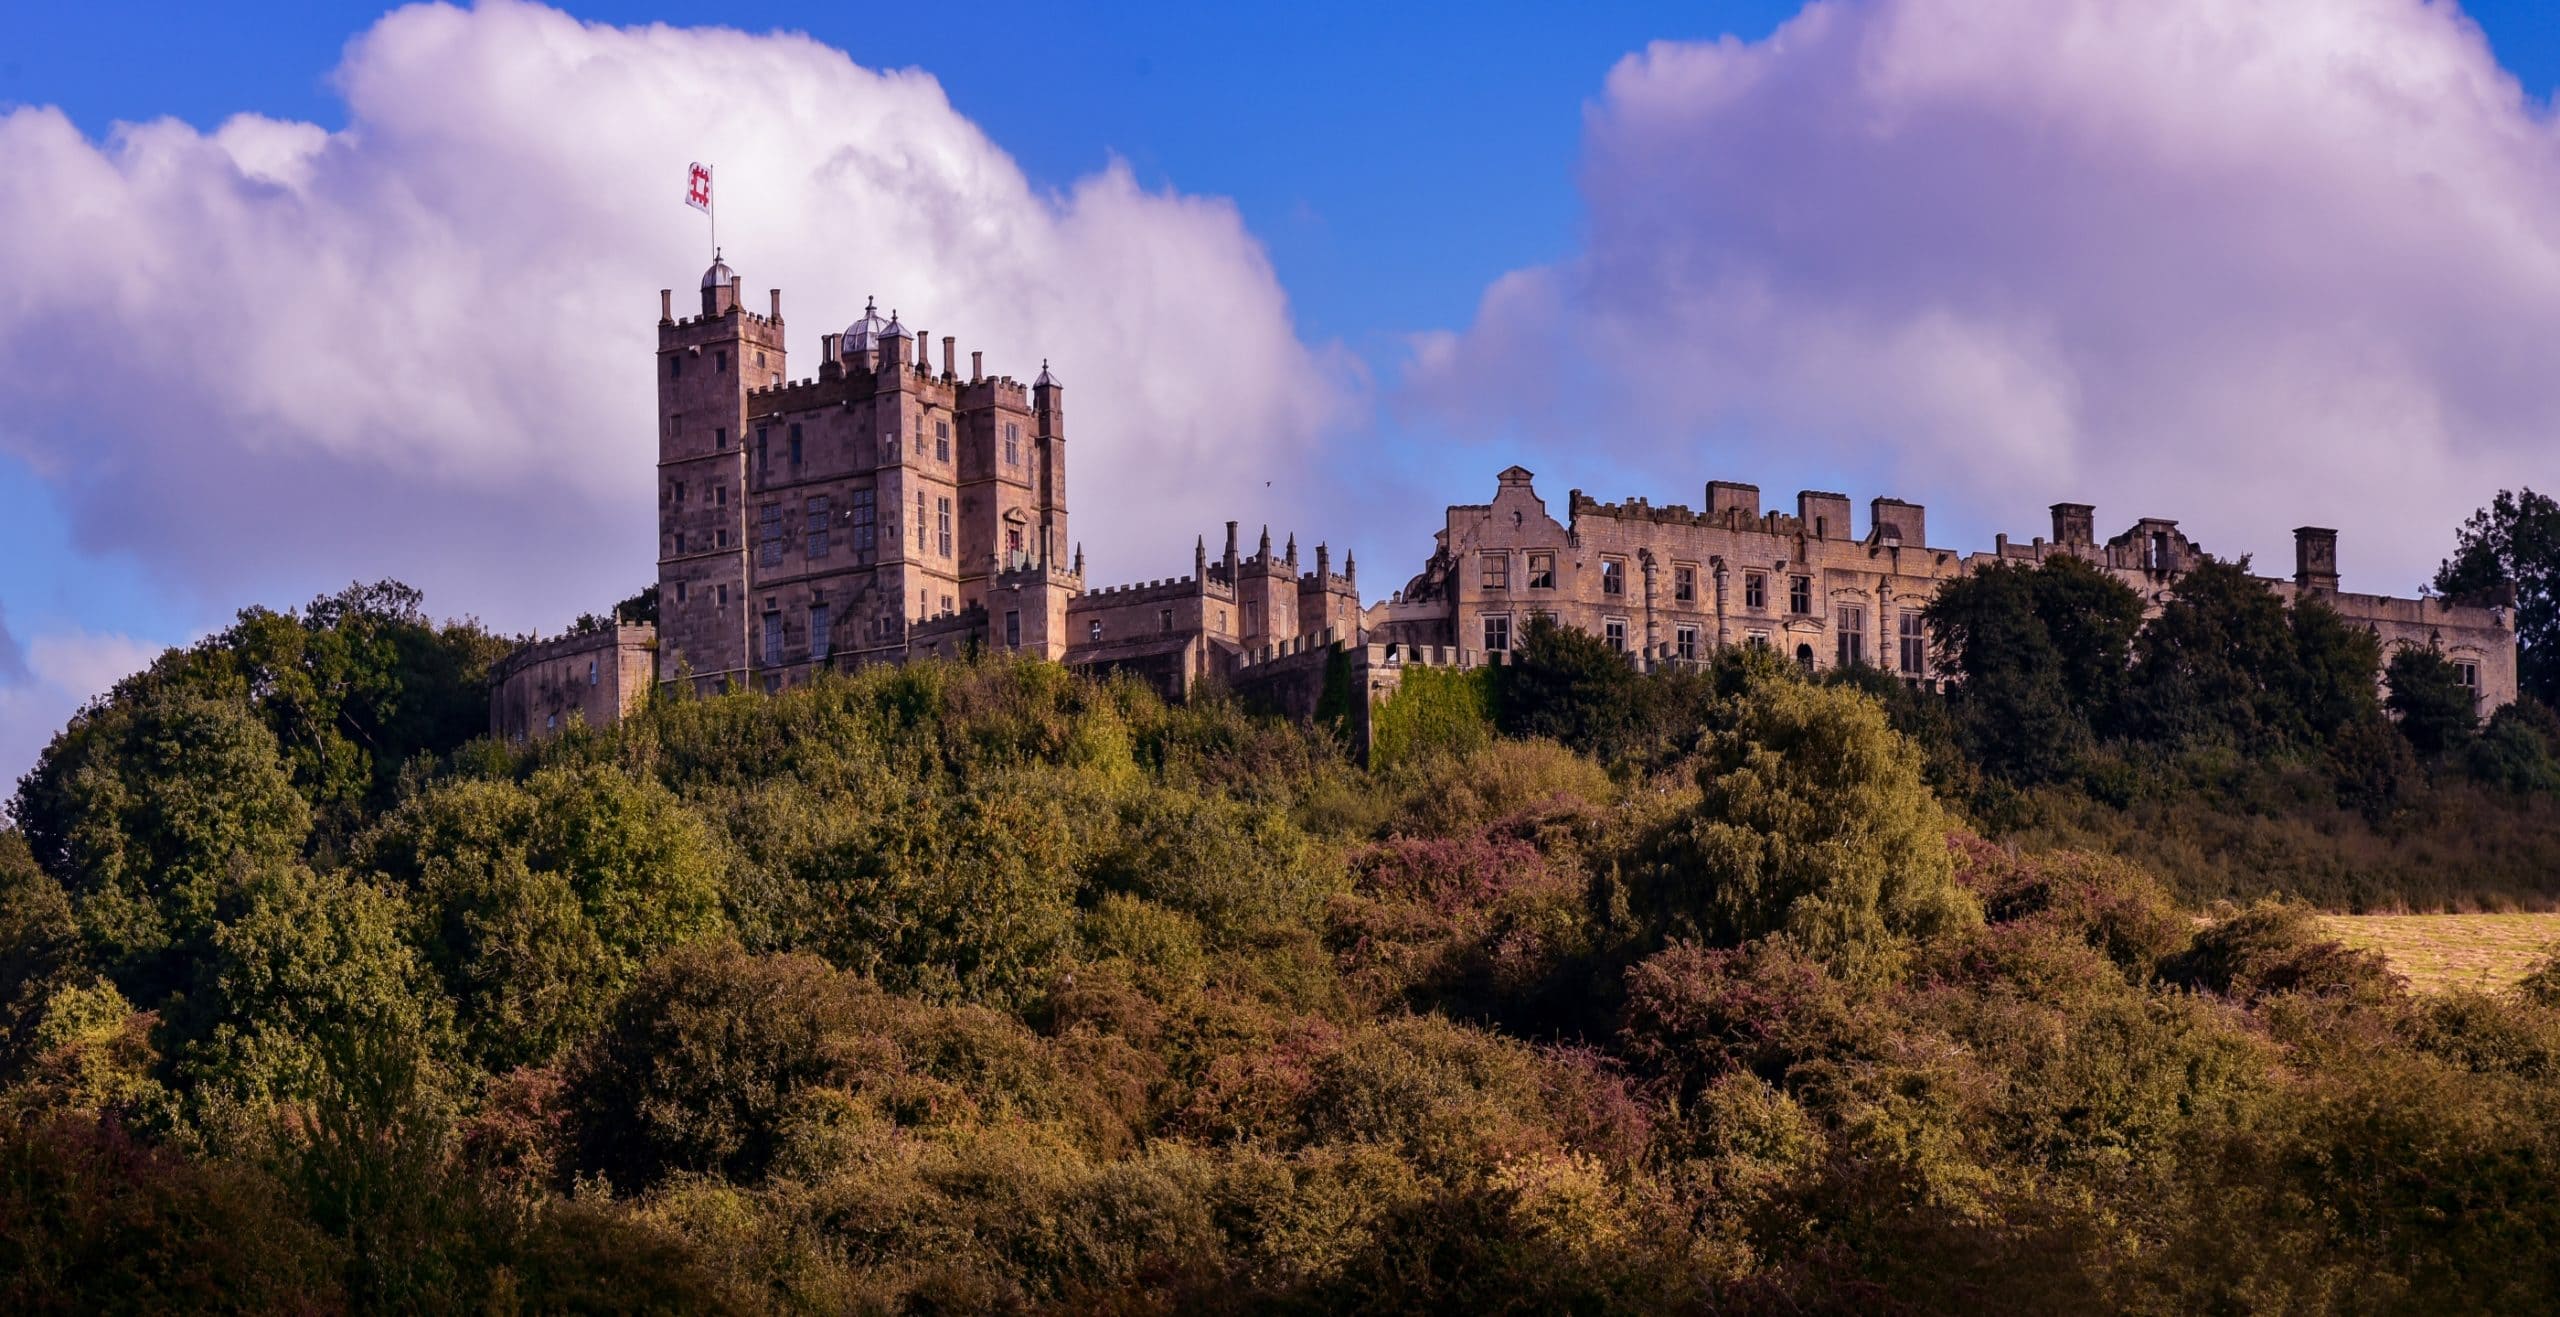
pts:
pixel 2220 664
pixel 2040 653
pixel 536 904
pixel 706 1059
pixel 1567 685
pixel 144 808
pixel 1815 824
pixel 2509 553
pixel 2436 711
pixel 302 968
pixel 2334 669
pixel 40 950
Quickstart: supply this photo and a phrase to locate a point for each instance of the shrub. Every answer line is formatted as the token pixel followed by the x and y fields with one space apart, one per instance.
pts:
pixel 1815 823
pixel 704 1060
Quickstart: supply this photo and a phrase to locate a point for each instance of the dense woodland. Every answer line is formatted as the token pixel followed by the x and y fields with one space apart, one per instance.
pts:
pixel 984 986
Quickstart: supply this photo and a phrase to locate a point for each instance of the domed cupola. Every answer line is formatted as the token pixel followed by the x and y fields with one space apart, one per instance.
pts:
pixel 863 335
pixel 718 286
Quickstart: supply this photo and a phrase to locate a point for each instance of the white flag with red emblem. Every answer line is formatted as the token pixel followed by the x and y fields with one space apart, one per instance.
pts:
pixel 697 189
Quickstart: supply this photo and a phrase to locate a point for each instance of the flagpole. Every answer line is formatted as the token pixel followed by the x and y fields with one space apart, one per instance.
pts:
pixel 708 209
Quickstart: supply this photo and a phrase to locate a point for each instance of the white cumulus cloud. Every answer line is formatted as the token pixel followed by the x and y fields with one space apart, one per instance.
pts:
pixel 2250 265
pixel 275 357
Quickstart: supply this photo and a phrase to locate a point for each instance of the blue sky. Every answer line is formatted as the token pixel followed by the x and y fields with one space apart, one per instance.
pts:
pixel 1394 163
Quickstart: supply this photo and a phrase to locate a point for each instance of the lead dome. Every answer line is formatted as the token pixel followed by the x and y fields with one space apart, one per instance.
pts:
pixel 862 334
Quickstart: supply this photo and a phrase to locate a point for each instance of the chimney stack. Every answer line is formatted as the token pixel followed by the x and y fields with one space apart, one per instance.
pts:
pixel 977 367
pixel 1324 564
pixel 777 305
pixel 1231 548
pixel 2315 559
pixel 950 361
pixel 666 306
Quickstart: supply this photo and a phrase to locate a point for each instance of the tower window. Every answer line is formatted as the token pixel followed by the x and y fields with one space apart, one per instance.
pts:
pixel 942 441
pixel 1012 629
pixel 759 357
pixel 769 535
pixel 920 526
pixel 720 438
pixel 720 363
pixel 679 592
pixel 1093 632
pixel 821 633
pixel 817 527
pixel 865 523
pixel 772 639
pixel 795 446
pixel 763 453
pixel 720 496
pixel 675 366
pixel 1164 620
pixel 942 521
pixel 1012 444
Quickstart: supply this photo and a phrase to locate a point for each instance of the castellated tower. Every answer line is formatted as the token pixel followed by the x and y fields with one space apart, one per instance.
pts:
pixel 889 506
pixel 707 366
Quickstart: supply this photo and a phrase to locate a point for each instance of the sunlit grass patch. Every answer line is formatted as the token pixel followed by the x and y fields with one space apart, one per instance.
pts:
pixel 2441 952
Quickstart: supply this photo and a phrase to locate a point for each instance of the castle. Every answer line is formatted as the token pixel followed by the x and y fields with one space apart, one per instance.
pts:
pixel 882 510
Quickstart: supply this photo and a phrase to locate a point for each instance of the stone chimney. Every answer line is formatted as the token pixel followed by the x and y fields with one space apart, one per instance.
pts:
pixel 776 317
pixel 2315 559
pixel 950 361
pixel 977 366
pixel 1231 549
pixel 666 306
pixel 2075 523
pixel 1324 563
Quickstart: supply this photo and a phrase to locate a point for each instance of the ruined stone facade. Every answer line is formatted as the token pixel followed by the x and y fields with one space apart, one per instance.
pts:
pixel 887 508
pixel 1668 584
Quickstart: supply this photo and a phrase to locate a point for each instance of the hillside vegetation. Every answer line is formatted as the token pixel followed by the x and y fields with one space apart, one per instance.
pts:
pixel 987 987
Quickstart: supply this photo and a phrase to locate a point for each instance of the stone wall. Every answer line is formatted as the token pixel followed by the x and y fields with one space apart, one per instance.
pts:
pixel 595 677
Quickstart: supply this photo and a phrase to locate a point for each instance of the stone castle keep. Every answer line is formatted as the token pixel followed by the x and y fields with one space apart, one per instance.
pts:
pixel 884 509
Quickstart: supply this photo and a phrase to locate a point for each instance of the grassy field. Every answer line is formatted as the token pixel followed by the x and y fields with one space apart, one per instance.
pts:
pixel 2438 952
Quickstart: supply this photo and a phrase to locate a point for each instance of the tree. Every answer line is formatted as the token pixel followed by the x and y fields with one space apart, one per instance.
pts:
pixel 2040 654
pixel 2334 669
pixel 1815 824
pixel 706 1058
pixel 303 970
pixel 2436 711
pixel 536 904
pixel 640 607
pixel 2509 553
pixel 2220 664
pixel 1568 685
pixel 145 808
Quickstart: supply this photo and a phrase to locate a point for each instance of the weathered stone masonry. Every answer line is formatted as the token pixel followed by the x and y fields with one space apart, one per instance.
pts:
pixel 885 509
